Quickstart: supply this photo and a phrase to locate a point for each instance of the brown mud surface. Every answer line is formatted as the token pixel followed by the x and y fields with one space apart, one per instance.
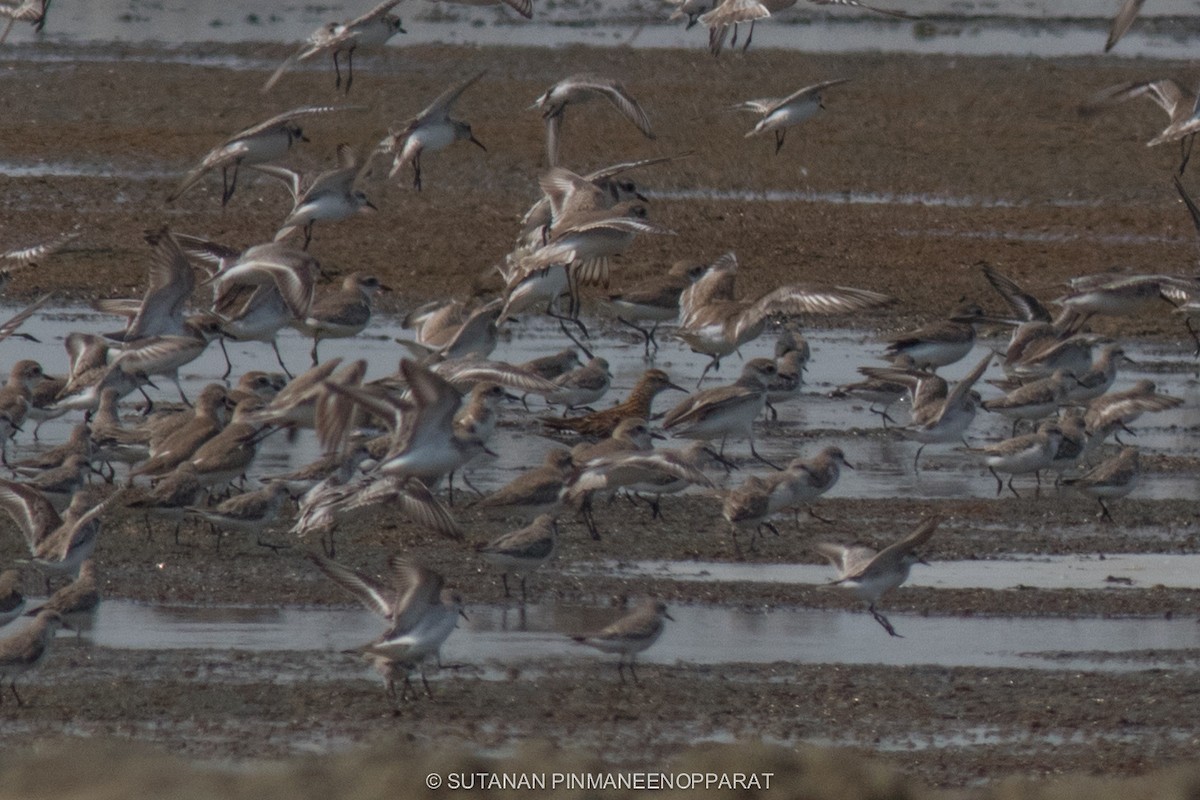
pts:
pixel 991 162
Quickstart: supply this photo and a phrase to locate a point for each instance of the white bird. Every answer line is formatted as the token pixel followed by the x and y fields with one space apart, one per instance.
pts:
pixel 428 132
pixel 781 113
pixel 577 89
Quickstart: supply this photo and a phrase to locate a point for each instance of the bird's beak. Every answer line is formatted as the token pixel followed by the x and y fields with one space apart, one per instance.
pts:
pixel 479 143
pixel 383 287
pixel 491 452
pixel 654 435
pixel 641 197
pixel 923 561
pixel 368 206
pixel 847 464
pixel 676 386
pixel 463 614
pixel 668 616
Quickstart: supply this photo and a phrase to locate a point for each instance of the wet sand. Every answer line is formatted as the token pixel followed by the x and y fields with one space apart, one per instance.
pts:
pixel 963 160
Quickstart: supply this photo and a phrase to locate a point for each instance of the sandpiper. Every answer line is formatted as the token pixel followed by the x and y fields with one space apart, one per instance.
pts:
pixel 169 285
pixel 208 419
pixel 629 635
pixel 259 144
pixel 372 28
pixel 789 377
pixel 715 324
pixel 583 386
pixel 730 13
pixel 1121 23
pixel 631 434
pixel 1110 479
pixel 939 414
pixel 523 550
pixel 249 512
pixel 75 603
pixel 537 490
pixel 870 575
pixel 66 546
pixel 1034 400
pixel 637 404
pixel 939 343
pixel 25 649
pixel 1113 412
pixel 343 313
pixel 1179 103
pixel 31 11
pixel 577 89
pixel 655 299
pixel 780 113
pixel 725 410
pixel 226 456
pixel 637 469
pixel 428 132
pixel 330 197
pixel 1021 455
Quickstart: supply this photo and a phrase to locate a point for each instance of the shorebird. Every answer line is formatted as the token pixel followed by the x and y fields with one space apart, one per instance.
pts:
pixel 25 649
pixel 170 497
pixel 1180 105
pixel 690 10
pixel 583 386
pixel 638 404
pixel 1125 295
pixel 421 615
pixel 1126 14
pixel 31 11
pixel 60 484
pixel 578 89
pixel 629 635
pixel 428 132
pixel 15 395
pixel 1099 379
pixel 1021 455
pixel 715 324
pixel 730 13
pixel 226 456
pixel 536 490
pixel 632 434
pixel 939 414
pixel 164 355
pixel 376 26
pixel 330 197
pixel 780 113
pixel 635 470
pixel 20 258
pixel 169 285
pixel 249 512
pixel 455 332
pixel 267 141
pixel 1115 411
pixel 343 313
pixel 870 575
pixel 76 602
pixel 12 602
pixel 725 410
pixel 56 544
pixel 523 550
pixel 1034 400
pixel 1110 479
pixel 260 290
pixel 789 377
pixel 939 343
pixel 655 299
pixel 552 366
pixel 207 420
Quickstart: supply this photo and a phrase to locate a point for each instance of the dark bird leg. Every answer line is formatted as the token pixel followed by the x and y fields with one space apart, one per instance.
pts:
pixel 1104 514
pixel 917 458
pixel 882 620
pixel 999 481
pixel 228 363
pixel 780 134
pixel 416 164
pixel 349 69
pixel 337 84
pixel 279 358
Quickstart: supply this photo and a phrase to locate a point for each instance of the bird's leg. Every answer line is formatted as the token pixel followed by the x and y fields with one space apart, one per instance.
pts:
pixel 337 84
pixel 1104 513
pixel 882 620
pixel 308 229
pixel 13 687
pixel 749 36
pixel 886 417
pixel 279 358
pixel 917 458
pixel 818 517
pixel 227 195
pixel 1185 151
pixel 149 403
pixel 1187 321
pixel 1010 486
pixel 715 363
pixel 313 352
pixel 349 69
pixel 999 481
pixel 182 396
pixel 780 133
pixel 228 363
pixel 522 590
pixel 647 335
pixel 754 453
pixel 416 164
pixel 771 409
pixel 1037 476
pixel 425 683
pixel 633 672
pixel 504 580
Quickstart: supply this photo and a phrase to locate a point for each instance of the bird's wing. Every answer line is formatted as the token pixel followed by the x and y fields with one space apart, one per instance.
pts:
pixel 441 106
pixel 371 593
pixel 807 91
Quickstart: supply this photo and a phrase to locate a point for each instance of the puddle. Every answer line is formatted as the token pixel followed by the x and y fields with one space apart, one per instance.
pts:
pixel 1072 27
pixel 883 463
pixel 1137 570
pixel 854 198
pixel 508 636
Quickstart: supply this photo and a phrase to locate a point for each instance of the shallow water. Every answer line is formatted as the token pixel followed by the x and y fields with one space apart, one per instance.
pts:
pixel 1140 570
pixel 510 636
pixel 1166 29
pixel 883 463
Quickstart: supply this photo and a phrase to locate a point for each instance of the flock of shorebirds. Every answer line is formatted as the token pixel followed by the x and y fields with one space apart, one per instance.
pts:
pixel 390 443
